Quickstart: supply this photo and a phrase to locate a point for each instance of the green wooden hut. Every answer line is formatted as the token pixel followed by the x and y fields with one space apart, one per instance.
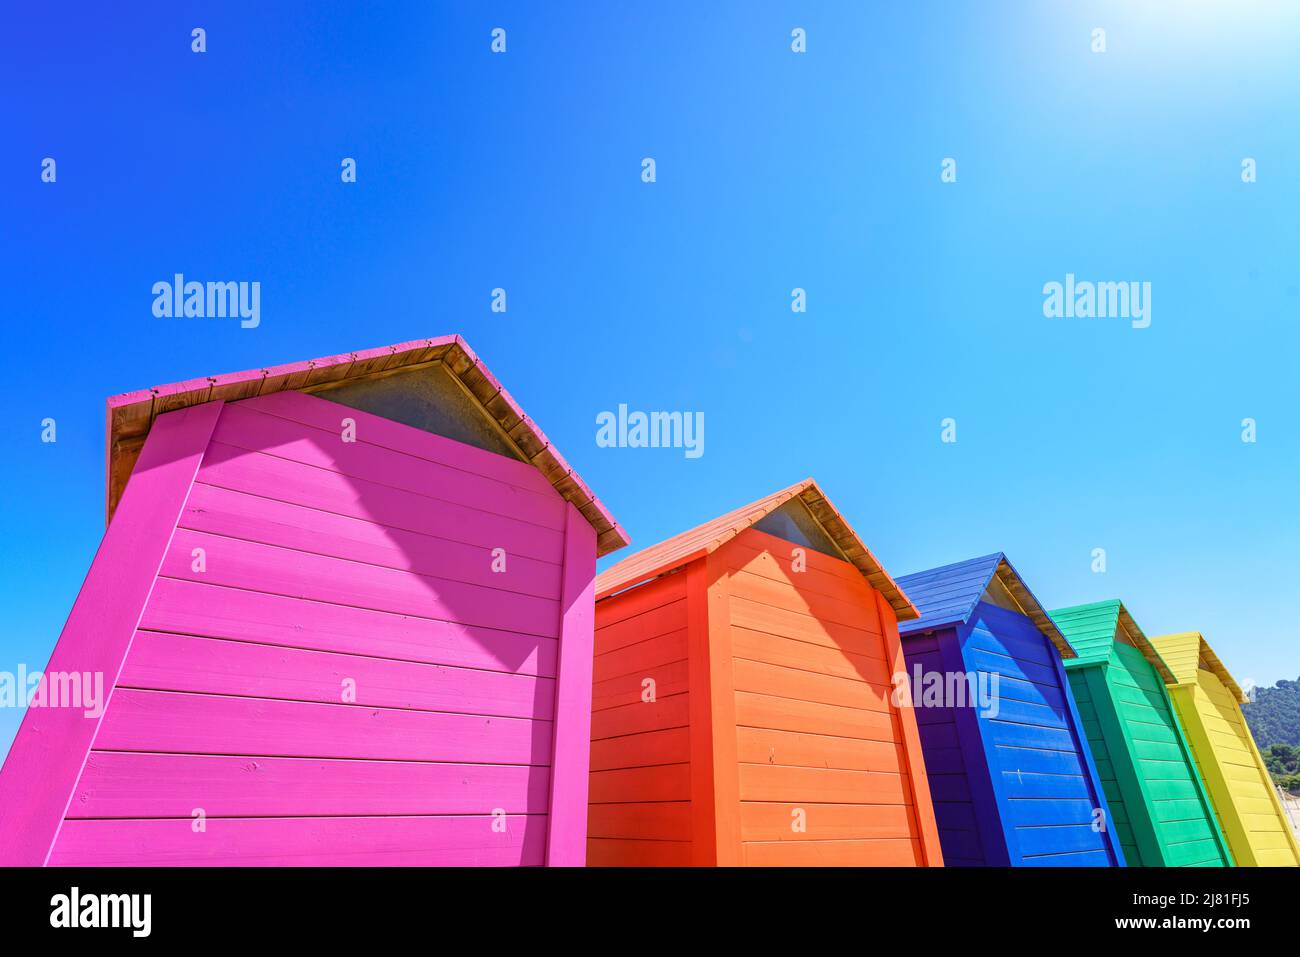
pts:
pixel 1158 803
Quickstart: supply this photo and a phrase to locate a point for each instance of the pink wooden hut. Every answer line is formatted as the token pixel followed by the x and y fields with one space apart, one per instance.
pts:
pixel 343 613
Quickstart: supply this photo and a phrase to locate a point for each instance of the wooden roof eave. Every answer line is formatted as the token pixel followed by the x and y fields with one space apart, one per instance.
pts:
pixel 131 415
pixel 706 538
pixel 1222 673
pixel 1138 639
pixel 1032 609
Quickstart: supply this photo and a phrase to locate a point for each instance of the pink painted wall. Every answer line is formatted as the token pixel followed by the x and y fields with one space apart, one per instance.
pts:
pixel 328 566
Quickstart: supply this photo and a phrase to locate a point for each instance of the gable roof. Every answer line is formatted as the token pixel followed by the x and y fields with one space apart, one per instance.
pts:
pixel 948 595
pixel 1184 651
pixel 703 539
pixel 1095 628
pixel 131 415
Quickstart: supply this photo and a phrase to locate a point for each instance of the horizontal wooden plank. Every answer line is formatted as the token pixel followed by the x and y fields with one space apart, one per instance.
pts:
pixel 1026 714
pixel 759 678
pixel 980 660
pixel 1189 809
pixel 1266 830
pixel 1163 758
pixel 640 657
pixel 1136 674
pixel 794 749
pixel 1258 803
pixel 1094 858
pixel 961 848
pixel 1276 857
pixel 789 714
pixel 775 563
pixel 875 853
pixel 1031 737
pixel 669 746
pixel 955 816
pixel 825 822
pixel 1185 832
pixel 943 760
pixel 1026 644
pixel 214 724
pixel 1142 705
pixel 771 620
pixel 232 514
pixel 123 785
pixel 162 662
pixel 603 852
pixel 1009 688
pixel 249 566
pixel 200 608
pixel 859 615
pixel 666 782
pixel 806 656
pixel 669 679
pixel 257 474
pixel 1035 841
pixel 243 427
pixel 753 541
pixel 1196 854
pixel 319 412
pixel 950 788
pixel 669 711
pixel 1162 731
pixel 641 600
pixel 1062 787
pixel 937 734
pixel 304 842
pixel 655 624
pixel 928 716
pixel 663 821
pixel 764 782
pixel 1045 812
pixel 1246 778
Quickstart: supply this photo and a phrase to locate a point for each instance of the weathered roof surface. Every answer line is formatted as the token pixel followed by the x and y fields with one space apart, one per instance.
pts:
pixel 703 539
pixel 948 595
pixel 1184 652
pixel 131 415
pixel 1094 629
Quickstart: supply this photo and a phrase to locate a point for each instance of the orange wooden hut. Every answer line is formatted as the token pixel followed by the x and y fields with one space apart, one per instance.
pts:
pixel 744 707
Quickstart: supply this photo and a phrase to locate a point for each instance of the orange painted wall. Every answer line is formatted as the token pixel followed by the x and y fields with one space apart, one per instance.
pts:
pixel 639 799
pixel 788 701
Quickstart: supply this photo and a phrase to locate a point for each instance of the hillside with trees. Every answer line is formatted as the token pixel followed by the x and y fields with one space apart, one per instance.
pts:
pixel 1274 719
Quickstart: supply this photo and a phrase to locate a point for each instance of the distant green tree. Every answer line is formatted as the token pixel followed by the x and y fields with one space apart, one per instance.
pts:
pixel 1274 715
pixel 1281 759
pixel 1274 720
pixel 1283 763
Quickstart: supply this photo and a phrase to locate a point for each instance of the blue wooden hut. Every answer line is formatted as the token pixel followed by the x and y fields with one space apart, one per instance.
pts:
pixel 1010 773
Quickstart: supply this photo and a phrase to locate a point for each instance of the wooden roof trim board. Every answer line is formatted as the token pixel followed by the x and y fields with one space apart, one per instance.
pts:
pixel 950 593
pixel 1184 675
pixel 1086 626
pixel 131 415
pixel 1031 608
pixel 1142 643
pixel 697 542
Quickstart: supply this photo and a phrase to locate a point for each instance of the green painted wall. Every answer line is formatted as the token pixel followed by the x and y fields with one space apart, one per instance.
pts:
pixel 1160 809
pixel 1101 756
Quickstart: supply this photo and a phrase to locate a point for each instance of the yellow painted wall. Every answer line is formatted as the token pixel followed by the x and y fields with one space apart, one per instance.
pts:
pixel 1244 800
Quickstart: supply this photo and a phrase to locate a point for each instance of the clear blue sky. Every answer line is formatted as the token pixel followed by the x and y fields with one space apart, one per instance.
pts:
pixel 775 170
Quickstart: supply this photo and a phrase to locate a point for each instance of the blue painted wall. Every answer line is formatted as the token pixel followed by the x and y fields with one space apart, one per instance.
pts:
pixel 1018 787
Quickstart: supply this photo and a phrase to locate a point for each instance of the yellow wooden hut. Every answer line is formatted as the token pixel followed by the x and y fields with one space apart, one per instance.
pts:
pixel 1208 702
